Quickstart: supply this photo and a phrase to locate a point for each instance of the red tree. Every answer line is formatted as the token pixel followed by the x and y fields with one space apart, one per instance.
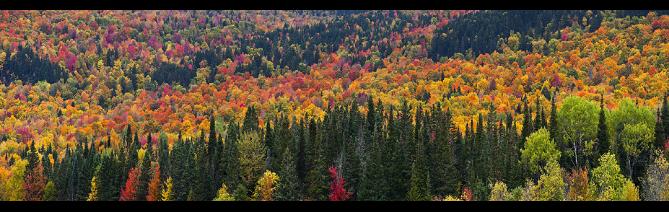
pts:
pixel 154 185
pixel 130 189
pixel 467 194
pixel 337 190
pixel 34 184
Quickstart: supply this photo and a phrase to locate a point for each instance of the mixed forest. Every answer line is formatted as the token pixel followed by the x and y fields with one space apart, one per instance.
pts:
pixel 334 105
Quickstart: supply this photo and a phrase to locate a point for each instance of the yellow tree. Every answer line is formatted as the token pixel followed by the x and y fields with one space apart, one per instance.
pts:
pixel 13 189
pixel 223 194
pixel 266 186
pixel 167 194
pixel 93 195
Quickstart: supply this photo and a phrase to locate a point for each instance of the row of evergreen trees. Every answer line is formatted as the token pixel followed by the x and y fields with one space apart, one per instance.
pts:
pixel 28 67
pixel 384 154
pixel 481 32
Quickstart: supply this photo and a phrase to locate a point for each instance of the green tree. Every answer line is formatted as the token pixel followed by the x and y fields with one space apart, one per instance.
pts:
pixel 577 127
pixel 627 113
pixel 636 139
pixel 553 120
pixel 665 115
pixel 251 157
pixel 551 186
pixel 49 192
pixel 602 130
pixel 420 178
pixel 608 182
pixel 288 189
pixel 250 120
pixel 230 159
pixel 539 150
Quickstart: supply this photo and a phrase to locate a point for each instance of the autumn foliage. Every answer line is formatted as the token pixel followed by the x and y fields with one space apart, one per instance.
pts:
pixel 337 190
pixel 128 192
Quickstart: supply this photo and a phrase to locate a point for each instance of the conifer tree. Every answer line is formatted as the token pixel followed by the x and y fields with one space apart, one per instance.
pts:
pixel 553 122
pixel 665 115
pixel 659 132
pixel 420 180
pixel 288 189
pixel 230 159
pixel 602 130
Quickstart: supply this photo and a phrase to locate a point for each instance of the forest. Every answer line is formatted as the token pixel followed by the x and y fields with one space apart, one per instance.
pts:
pixel 459 105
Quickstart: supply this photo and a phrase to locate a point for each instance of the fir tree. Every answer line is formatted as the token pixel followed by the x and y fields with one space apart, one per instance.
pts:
pixel 288 189
pixel 602 130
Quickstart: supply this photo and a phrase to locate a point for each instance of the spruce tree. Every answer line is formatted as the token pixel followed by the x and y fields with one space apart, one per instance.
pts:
pixel 317 179
pixel 659 131
pixel 553 122
pixel 527 121
pixel 420 180
pixel 145 172
pixel 288 188
pixel 250 120
pixel 665 116
pixel 230 160
pixel 602 130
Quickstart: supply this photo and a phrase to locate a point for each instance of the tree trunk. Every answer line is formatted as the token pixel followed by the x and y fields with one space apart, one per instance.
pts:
pixel 576 154
pixel 629 165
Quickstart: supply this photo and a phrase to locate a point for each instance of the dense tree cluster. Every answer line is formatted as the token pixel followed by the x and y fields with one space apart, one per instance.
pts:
pixel 344 105
pixel 28 67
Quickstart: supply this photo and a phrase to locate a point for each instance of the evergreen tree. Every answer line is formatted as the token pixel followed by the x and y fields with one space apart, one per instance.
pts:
pixel 420 180
pixel 250 120
pixel 553 122
pixel 288 189
pixel 602 130
pixel 145 172
pixel 230 160
pixel 317 179
pixel 665 116
pixel 527 120
pixel 659 131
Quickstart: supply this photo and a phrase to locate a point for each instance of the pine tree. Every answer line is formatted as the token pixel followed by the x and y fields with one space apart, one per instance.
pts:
pixel 450 182
pixel 127 139
pixel 230 159
pixel 602 131
pixel 351 164
pixel 250 120
pixel 527 120
pixel 201 182
pixel 212 157
pixel 301 154
pixel 420 180
pixel 163 156
pixel 179 172
pixel 665 116
pixel 659 131
pixel 145 172
pixel 288 189
pixel 316 176
pixel 663 123
pixel 553 122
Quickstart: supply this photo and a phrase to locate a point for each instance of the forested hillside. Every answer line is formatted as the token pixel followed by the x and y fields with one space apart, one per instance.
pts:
pixel 334 105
